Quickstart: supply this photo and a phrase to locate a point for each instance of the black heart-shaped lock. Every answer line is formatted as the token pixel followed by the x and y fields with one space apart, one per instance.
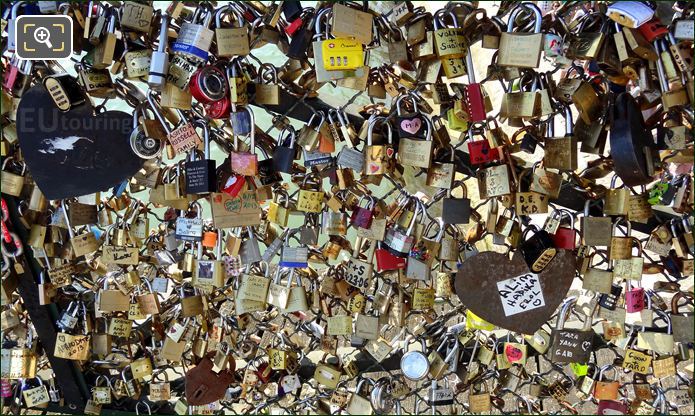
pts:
pixel 75 152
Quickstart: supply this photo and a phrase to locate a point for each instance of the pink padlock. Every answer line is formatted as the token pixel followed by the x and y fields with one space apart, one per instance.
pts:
pixel 634 298
pixel 611 407
pixel 362 216
pixel 5 388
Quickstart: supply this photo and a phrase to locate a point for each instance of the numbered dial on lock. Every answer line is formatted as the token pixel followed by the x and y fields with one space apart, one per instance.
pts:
pixel 144 146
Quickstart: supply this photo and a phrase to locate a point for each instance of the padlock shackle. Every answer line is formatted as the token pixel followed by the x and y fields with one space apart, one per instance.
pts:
pixel 373 120
pixel 518 9
pixel 157 112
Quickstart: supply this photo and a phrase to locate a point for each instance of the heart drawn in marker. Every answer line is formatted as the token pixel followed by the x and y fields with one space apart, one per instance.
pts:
pixel 513 353
pixel 411 126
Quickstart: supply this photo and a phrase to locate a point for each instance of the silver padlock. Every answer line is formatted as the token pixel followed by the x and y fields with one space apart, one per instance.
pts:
pixel 159 64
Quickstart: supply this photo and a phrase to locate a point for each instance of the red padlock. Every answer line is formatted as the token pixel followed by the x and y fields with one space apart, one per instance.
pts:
pixel 264 372
pixel 387 261
pixel 474 102
pixel 564 237
pixel 219 109
pixel 479 150
pixel 634 298
pixel 653 30
pixel 234 184
pixel 11 74
pixel 292 28
pixel 208 84
pixel 362 216
pixel 203 385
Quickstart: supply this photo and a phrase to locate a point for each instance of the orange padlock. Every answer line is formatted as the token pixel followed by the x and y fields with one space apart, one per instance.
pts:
pixel 209 239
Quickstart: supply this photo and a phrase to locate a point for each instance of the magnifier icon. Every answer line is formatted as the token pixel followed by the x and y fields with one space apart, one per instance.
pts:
pixel 42 35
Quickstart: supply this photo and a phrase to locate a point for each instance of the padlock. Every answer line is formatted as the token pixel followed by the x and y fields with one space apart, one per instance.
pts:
pixel 378 158
pixel 341 54
pixel 293 257
pixel 441 173
pixel 529 202
pixel 359 272
pixel 456 210
pixel 414 363
pixel 12 183
pixel 208 84
pixel 362 216
pixel 538 250
pixel 621 247
pixel 238 81
pixel 310 199
pixel 200 174
pixel 310 136
pixel 520 49
pixel 254 287
pixel 609 300
pixel 398 242
pixel 267 90
pixel 479 150
pixel 190 305
pixel 450 44
pixel 195 37
pixel 190 229
pixel 659 342
pixel 297 300
pixel 209 274
pixel 595 230
pixel 231 41
pixel 327 375
pixel 279 211
pixel 634 298
pixel 565 237
pixel 283 156
pixel 245 163
pixel 606 390
pixel 561 152
pixel 571 345
pixel 103 53
pixel 479 398
pixel 682 323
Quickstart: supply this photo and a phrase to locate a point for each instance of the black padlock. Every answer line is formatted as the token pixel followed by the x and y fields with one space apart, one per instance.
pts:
pixel 538 251
pixel 283 156
pixel 610 300
pixel 200 174
pixel 528 143
pixel 266 171
pixel 456 210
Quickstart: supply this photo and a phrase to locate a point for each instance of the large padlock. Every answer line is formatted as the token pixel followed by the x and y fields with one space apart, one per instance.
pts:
pixel 561 152
pixel 456 210
pixel 245 163
pixel 538 250
pixel 682 323
pixel 571 345
pixel 201 175
pixel 520 49
pixel 378 158
pixel 450 44
pixel 195 37
pixel 231 41
pixel 284 155
pixel 479 150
